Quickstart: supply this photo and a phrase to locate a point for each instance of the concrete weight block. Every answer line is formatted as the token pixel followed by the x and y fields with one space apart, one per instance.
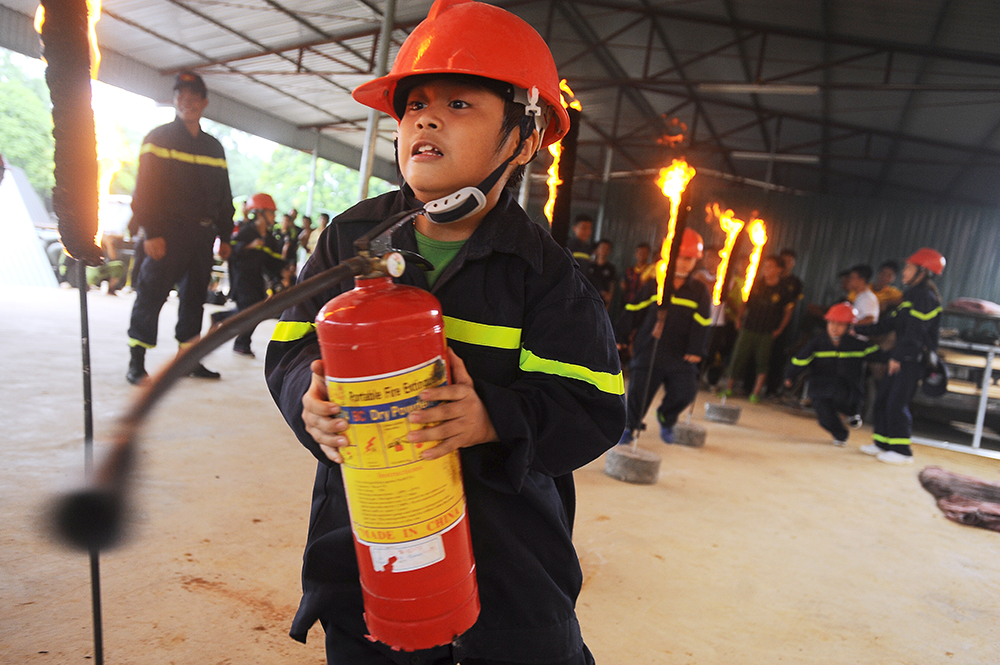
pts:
pixel 632 465
pixel 722 413
pixel 690 434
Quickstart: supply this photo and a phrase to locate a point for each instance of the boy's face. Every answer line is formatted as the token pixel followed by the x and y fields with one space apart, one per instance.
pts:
pixel 685 264
pixel 642 255
pixel 448 138
pixel 602 250
pixel 583 230
pixel 835 329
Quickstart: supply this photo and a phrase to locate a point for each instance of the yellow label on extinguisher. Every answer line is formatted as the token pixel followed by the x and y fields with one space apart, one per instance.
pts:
pixel 393 495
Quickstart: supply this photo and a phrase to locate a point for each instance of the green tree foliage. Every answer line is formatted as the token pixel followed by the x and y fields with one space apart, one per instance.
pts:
pixel 26 124
pixel 286 178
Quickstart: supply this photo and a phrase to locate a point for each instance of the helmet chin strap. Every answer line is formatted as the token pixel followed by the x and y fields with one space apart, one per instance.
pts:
pixel 470 200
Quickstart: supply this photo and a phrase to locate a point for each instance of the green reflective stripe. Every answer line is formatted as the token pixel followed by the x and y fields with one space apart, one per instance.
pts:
pixel 635 307
pixel 187 157
pixel 499 337
pixel 803 362
pixel 683 302
pixel 702 320
pixel 603 381
pixel 581 255
pixel 899 441
pixel 134 342
pixel 925 317
pixel 827 354
pixel 271 252
pixel 291 331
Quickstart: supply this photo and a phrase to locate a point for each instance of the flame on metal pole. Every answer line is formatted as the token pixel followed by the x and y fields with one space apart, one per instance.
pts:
pixel 672 182
pixel 731 227
pixel 108 135
pixel 570 101
pixel 757 233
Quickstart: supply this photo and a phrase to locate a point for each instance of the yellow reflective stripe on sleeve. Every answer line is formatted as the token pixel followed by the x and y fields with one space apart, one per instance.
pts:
pixel 899 441
pixel 683 302
pixel 803 362
pixel 635 307
pixel 167 153
pixel 499 337
pixel 925 317
pixel 581 255
pixel 702 320
pixel 827 354
pixel 291 331
pixel 271 252
pixel 603 381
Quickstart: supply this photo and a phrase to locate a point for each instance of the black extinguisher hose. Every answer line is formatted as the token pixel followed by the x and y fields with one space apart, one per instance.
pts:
pixel 92 517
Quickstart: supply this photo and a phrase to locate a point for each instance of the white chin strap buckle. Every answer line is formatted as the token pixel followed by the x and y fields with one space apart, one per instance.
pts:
pixel 455 206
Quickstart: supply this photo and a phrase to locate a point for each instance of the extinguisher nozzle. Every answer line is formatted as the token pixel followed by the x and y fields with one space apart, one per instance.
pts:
pixel 90 519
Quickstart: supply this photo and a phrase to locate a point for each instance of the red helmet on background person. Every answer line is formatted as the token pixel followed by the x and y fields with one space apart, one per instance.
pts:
pixel 477 39
pixel 842 312
pixel 928 259
pixel 692 244
pixel 260 201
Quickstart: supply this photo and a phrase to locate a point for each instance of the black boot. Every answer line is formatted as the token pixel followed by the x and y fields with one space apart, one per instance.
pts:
pixel 136 365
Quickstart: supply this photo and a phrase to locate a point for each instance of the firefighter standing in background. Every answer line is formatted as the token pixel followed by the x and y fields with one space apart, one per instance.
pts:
pixel 916 322
pixel 181 203
pixel 682 330
pixel 255 256
pixel 537 390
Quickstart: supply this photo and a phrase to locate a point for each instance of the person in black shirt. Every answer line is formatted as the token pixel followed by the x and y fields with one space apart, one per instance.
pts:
pixel 602 273
pixel 765 316
pixel 181 204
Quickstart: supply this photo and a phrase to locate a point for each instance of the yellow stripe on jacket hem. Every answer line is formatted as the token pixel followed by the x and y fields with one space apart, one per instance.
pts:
pixel 481 334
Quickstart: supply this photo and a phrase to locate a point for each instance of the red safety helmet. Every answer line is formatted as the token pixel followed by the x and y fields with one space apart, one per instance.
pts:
pixel 929 259
pixel 476 39
pixel 692 244
pixel 842 312
pixel 260 201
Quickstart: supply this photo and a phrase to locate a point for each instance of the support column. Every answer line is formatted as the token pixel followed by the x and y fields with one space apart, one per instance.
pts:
pixel 381 67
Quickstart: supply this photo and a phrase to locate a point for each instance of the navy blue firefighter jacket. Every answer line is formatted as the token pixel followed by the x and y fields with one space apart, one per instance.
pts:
pixel 535 337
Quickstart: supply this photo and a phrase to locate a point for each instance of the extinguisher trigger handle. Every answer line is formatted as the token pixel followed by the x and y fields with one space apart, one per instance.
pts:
pixel 415 259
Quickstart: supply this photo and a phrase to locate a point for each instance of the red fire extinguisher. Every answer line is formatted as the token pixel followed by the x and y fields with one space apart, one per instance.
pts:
pixel 382 344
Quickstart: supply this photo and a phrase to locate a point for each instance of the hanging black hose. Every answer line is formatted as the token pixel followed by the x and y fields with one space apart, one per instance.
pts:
pixel 75 196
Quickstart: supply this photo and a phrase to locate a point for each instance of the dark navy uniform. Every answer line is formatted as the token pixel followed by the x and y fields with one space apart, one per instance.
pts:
pixel 916 322
pixel 685 332
pixel 536 339
pixel 836 377
pixel 249 268
pixel 182 195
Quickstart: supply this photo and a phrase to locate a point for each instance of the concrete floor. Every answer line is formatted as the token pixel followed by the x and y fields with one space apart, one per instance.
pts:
pixel 767 545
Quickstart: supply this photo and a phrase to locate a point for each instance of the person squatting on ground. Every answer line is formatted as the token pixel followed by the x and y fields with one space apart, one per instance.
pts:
pixel 669 343
pixel 835 363
pixel 916 322
pixel 532 398
pixel 255 260
pixel 767 312
pixel 181 203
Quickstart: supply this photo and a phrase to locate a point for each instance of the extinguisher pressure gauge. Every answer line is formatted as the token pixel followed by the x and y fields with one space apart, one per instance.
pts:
pixel 395 264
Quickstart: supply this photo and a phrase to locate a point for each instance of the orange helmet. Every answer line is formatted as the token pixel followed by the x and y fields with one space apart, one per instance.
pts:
pixel 929 259
pixel 692 244
pixel 260 201
pixel 842 312
pixel 477 39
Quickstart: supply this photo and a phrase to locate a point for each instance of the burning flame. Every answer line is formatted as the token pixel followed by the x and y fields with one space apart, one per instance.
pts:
pixel 758 236
pixel 93 16
pixel 108 136
pixel 673 181
pixel 731 227
pixel 555 150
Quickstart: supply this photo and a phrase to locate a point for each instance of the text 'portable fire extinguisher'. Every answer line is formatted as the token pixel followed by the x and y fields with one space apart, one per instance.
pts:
pixel 382 344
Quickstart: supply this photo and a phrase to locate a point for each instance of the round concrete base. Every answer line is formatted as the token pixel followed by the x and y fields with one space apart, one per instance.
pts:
pixel 691 434
pixel 632 465
pixel 722 413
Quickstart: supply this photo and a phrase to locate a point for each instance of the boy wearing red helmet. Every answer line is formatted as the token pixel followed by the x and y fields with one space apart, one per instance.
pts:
pixel 669 343
pixel 475 92
pixel 835 362
pixel 916 322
